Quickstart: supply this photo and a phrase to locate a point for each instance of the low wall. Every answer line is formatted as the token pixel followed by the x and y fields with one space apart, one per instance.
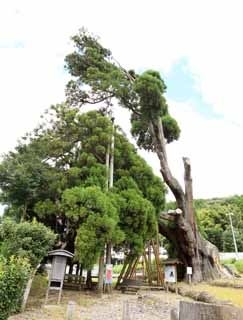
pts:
pixel 205 311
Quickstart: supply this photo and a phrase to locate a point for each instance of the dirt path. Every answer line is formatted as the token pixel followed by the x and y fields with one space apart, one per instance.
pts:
pixel 148 305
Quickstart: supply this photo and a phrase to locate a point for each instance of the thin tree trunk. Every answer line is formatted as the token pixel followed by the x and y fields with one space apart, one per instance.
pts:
pixel 89 279
pixel 101 273
pixel 27 290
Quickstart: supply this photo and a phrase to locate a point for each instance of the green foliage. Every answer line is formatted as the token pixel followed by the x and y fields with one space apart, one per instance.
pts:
pixel 117 268
pixel 228 243
pixel 93 66
pixel 214 221
pixel 39 285
pixel 26 240
pixel 171 128
pixel 239 265
pixel 98 221
pixel 137 220
pixel 14 274
pixel 70 149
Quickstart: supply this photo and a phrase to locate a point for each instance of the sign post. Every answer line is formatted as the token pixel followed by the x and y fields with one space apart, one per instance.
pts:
pixel 170 275
pixel 56 276
pixel 189 273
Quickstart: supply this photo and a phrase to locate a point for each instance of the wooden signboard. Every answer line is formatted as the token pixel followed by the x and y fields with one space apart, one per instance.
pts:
pixel 56 276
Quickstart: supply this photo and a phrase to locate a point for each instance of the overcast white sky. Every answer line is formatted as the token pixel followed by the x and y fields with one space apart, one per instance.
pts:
pixel 196 45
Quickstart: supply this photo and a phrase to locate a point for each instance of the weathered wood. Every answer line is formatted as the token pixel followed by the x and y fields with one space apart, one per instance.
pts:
pixel 204 311
pixel 160 278
pixel 133 269
pixel 148 269
pixel 130 264
pixel 129 289
pixel 122 272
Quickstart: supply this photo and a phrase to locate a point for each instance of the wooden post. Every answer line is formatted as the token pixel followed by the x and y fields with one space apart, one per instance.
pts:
pixel 148 268
pixel 133 268
pixel 122 271
pixel 189 278
pixel 126 311
pixel 130 264
pixel 157 261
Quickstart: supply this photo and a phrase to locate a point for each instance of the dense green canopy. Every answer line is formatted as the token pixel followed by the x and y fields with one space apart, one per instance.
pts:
pixel 58 174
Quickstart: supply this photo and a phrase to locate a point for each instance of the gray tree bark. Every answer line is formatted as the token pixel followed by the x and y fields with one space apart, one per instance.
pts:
pixel 192 250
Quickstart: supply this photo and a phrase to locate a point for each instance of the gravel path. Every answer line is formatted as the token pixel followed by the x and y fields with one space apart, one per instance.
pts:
pixel 147 305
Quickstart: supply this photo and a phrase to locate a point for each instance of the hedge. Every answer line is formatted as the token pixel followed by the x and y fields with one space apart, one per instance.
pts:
pixel 14 275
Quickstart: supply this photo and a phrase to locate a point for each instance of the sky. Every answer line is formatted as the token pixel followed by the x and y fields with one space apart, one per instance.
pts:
pixel 196 45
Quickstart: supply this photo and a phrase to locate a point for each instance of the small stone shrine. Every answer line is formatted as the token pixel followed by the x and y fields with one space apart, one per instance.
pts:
pixel 57 273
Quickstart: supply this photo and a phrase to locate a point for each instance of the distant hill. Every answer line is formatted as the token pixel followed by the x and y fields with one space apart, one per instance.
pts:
pixel 213 220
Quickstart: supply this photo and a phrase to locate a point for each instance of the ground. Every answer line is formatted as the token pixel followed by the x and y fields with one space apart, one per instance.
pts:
pixel 150 305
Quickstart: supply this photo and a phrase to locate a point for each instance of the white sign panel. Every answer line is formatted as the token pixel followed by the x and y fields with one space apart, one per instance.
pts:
pixel 189 270
pixel 170 274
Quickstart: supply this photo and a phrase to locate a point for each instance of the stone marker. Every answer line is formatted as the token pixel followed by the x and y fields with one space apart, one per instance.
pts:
pixel 206 311
pixel 174 314
pixel 71 308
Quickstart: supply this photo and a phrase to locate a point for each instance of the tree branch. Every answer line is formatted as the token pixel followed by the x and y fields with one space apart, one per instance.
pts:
pixel 156 130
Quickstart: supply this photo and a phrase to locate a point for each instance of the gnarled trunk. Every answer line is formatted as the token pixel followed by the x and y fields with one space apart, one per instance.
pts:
pixel 192 250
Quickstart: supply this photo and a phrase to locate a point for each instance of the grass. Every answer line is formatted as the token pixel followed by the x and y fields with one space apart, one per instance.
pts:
pixel 235 265
pixel 52 310
pixel 230 294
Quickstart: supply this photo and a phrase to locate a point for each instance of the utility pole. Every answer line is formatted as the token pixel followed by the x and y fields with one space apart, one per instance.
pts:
pixel 112 153
pixel 233 234
pixel 111 174
pixel 110 182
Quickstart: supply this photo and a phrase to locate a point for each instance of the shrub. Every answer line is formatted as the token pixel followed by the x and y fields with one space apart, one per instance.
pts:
pixel 14 275
pixel 29 243
pixel 239 265
pixel 30 240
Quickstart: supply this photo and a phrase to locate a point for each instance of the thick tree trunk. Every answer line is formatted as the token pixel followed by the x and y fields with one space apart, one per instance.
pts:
pixel 192 250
